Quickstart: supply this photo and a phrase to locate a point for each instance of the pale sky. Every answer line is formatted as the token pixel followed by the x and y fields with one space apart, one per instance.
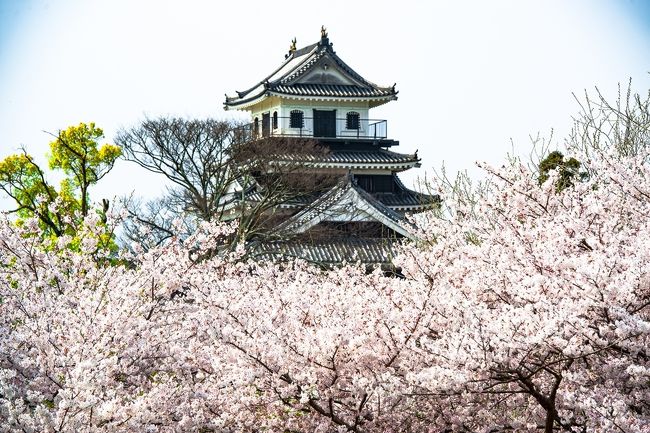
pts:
pixel 471 75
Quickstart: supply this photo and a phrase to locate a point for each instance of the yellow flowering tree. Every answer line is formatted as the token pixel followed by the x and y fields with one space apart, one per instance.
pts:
pixel 76 152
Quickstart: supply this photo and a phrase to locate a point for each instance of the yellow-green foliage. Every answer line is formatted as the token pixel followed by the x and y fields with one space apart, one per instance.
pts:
pixel 77 153
pixel 27 185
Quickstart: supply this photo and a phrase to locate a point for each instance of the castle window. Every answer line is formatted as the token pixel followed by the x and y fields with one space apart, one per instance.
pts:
pixel 352 120
pixel 297 119
pixel 375 183
pixel 256 127
pixel 275 120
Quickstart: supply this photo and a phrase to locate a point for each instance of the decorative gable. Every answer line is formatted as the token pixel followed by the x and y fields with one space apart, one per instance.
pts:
pixel 326 71
pixel 313 72
pixel 345 202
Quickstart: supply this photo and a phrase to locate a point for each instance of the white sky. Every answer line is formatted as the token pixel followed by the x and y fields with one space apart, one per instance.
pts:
pixel 472 75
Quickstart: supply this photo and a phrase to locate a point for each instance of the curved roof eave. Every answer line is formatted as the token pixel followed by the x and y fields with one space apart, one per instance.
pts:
pixel 391 97
pixel 361 166
pixel 296 64
pixel 249 102
pixel 245 103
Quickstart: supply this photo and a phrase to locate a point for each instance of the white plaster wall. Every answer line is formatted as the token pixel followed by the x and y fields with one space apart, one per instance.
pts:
pixel 307 106
pixel 284 106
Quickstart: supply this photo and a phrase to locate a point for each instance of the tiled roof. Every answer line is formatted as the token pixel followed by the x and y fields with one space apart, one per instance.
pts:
pixel 356 201
pixel 385 210
pixel 284 80
pixel 375 156
pixel 357 158
pixel 316 208
pixel 407 199
pixel 387 203
pixel 332 90
pixel 350 250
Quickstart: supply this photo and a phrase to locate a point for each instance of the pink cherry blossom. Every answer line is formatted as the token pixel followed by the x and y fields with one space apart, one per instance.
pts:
pixel 524 310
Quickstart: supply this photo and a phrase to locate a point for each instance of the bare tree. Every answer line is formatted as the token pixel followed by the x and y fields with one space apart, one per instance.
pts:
pixel 218 171
pixel 623 124
pixel 151 223
pixel 192 154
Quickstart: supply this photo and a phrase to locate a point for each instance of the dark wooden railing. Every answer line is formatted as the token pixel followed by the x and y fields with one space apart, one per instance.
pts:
pixel 298 126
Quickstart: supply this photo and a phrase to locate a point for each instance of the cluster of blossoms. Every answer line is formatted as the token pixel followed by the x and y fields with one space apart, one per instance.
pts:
pixel 530 313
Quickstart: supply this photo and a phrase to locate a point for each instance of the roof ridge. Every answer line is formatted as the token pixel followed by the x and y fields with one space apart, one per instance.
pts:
pixel 398 218
pixel 286 61
pixel 291 75
pixel 304 49
pixel 373 250
pixel 316 205
pixel 283 79
pixel 324 50
pixel 307 59
pixel 306 216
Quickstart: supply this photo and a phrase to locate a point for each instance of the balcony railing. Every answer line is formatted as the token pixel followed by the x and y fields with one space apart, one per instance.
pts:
pixel 309 127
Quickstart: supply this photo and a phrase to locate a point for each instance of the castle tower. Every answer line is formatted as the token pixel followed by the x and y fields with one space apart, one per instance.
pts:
pixel 315 95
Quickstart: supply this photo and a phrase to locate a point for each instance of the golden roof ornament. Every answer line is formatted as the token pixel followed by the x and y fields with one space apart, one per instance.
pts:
pixel 292 47
pixel 323 32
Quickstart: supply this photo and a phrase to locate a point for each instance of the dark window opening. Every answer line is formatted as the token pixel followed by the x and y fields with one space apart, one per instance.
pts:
pixel 275 120
pixel 352 120
pixel 324 123
pixel 376 183
pixel 256 127
pixel 297 119
pixel 266 123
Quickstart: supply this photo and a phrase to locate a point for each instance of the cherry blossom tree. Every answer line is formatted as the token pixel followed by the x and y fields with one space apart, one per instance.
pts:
pixel 187 344
pixel 541 319
pixel 523 309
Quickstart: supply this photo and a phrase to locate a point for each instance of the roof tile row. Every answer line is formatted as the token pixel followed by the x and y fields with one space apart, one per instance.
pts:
pixel 330 252
pixel 331 90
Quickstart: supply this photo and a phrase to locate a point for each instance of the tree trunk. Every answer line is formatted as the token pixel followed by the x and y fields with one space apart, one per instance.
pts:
pixel 550 420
